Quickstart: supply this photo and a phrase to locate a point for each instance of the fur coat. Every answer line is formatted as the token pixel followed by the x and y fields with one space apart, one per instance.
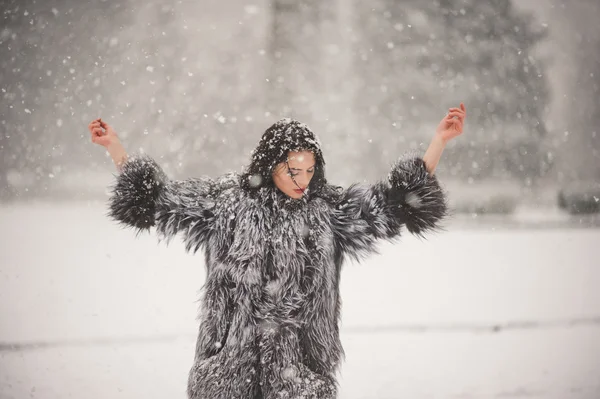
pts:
pixel 271 303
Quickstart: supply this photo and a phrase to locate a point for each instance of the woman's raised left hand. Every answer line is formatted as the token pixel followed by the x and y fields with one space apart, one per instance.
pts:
pixel 452 124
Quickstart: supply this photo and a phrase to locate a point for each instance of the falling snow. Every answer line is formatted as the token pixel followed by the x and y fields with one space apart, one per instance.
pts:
pixel 361 84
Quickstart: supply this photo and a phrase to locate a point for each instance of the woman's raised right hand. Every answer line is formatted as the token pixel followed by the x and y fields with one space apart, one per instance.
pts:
pixel 102 133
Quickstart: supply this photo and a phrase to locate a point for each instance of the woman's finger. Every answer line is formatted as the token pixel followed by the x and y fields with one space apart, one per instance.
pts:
pixel 452 115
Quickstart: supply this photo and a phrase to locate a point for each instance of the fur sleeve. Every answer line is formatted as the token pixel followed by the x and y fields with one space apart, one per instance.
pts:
pixel 408 197
pixel 143 196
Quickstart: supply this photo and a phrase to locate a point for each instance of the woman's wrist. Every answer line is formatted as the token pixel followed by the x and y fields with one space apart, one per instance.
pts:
pixel 117 153
pixel 440 139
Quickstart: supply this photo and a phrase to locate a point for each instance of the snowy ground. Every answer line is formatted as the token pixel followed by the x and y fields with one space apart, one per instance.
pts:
pixel 493 310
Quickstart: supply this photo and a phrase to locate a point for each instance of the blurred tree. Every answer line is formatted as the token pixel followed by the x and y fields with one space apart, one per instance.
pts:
pixel 581 157
pixel 41 84
pixel 418 59
pixel 198 70
pixel 183 81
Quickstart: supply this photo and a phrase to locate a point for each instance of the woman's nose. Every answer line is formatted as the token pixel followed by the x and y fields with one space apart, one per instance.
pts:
pixel 303 180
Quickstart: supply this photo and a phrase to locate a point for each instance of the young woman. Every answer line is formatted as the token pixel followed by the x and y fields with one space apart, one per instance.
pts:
pixel 274 240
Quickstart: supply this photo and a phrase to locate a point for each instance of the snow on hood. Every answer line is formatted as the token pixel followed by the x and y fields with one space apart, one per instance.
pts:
pixel 279 139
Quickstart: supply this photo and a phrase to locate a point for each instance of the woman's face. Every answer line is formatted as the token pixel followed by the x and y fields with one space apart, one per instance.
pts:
pixel 294 182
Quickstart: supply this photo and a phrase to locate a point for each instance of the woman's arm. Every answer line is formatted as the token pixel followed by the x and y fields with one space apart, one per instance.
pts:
pixel 411 196
pixel 143 196
pixel 450 127
pixel 434 153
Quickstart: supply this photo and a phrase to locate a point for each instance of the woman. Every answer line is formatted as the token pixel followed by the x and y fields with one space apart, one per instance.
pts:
pixel 274 239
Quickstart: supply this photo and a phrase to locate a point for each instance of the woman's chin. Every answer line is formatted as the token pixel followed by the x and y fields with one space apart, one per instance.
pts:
pixel 295 195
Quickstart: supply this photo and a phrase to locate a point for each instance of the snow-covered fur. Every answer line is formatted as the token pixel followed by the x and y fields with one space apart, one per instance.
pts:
pixel 271 305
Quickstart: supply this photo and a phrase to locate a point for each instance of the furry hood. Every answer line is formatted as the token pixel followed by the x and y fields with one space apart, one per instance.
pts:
pixel 278 140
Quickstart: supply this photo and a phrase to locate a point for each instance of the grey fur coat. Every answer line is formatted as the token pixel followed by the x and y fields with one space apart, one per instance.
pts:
pixel 270 305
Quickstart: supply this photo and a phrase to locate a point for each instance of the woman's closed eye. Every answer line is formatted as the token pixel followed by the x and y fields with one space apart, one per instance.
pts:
pixel 290 173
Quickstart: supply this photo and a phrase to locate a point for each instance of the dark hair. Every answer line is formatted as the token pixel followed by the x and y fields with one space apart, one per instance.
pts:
pixel 278 140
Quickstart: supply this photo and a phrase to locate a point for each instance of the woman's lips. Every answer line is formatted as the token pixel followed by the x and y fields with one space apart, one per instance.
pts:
pixel 299 191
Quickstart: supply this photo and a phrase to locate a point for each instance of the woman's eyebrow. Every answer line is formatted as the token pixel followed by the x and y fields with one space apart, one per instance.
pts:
pixel 301 169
